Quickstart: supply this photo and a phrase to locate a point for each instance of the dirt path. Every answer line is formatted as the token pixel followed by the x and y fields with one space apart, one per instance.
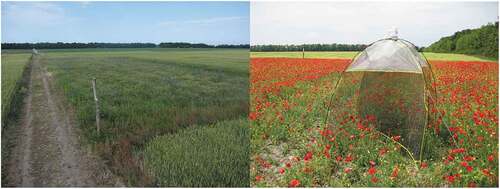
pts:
pixel 47 151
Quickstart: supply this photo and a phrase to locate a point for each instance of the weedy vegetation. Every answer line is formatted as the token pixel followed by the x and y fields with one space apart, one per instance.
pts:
pixel 292 145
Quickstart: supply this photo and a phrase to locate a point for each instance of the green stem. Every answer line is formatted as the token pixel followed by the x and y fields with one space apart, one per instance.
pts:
pixel 422 144
pixel 401 145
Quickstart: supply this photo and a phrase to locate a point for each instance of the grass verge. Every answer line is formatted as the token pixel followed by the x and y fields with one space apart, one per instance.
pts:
pixel 15 79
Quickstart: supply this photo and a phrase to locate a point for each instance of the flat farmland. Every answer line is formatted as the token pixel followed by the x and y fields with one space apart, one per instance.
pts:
pixel 351 54
pixel 149 90
pixel 149 97
pixel 291 145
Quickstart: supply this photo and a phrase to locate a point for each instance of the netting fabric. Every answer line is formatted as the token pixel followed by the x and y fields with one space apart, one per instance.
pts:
pixel 389 83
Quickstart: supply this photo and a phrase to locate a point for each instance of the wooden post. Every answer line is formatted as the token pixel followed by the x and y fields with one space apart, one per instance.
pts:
pixel 96 105
pixel 303 53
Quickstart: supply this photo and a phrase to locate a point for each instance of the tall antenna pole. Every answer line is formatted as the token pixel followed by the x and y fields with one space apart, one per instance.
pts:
pixel 394 33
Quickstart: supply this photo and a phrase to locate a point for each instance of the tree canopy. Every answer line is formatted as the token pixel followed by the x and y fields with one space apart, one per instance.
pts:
pixel 309 47
pixel 482 41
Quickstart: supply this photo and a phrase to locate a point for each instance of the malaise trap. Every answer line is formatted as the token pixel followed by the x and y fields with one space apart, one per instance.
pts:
pixel 390 85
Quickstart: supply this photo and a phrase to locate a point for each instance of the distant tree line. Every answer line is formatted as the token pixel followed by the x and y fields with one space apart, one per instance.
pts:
pixel 60 45
pixel 200 45
pixel 481 41
pixel 309 47
pixel 241 46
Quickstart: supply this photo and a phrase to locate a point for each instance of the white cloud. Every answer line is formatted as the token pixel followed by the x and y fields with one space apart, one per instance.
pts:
pixel 39 14
pixel 363 22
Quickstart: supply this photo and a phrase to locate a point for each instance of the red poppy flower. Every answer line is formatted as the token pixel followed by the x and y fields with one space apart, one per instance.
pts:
pixel 486 172
pixel 372 163
pixel 491 158
pixel 348 158
pixel 288 165
pixel 480 138
pixel 308 156
pixel 469 168
pixel 450 158
pixel 360 126
pixel 458 150
pixel 252 116
pixel 469 158
pixel 382 151
pixel 374 180
pixel 338 158
pixel 423 165
pixel 395 172
pixel 396 138
pixel 282 170
pixel 347 170
pixel 327 154
pixel 258 178
pixel 370 118
pixel 294 183
pixel 450 178
pixel 328 146
pixel 372 171
pixel 464 164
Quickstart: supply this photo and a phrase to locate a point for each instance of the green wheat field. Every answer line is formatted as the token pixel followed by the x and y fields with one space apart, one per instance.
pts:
pixel 169 117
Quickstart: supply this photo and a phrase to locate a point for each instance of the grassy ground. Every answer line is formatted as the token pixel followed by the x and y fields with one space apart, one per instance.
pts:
pixel 351 54
pixel 12 69
pixel 144 93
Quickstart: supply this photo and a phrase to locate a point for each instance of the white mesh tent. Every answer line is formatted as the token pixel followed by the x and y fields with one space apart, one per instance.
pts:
pixel 391 82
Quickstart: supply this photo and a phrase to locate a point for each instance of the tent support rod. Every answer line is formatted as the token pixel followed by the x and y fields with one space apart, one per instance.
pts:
pixel 336 84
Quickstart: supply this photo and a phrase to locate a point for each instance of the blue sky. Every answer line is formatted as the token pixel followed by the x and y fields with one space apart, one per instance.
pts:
pixel 200 22
pixel 364 22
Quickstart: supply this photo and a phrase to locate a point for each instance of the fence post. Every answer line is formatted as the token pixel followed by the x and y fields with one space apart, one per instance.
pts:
pixel 96 105
pixel 303 53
